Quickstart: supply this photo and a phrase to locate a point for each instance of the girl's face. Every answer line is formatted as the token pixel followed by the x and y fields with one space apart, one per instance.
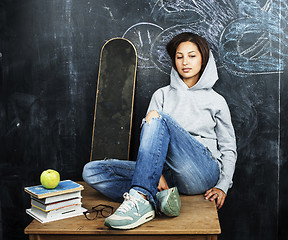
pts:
pixel 188 61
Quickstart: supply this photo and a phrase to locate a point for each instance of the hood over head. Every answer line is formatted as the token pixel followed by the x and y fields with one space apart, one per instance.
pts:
pixel 206 81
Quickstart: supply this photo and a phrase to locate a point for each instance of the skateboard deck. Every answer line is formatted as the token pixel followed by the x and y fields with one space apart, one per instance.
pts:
pixel 114 100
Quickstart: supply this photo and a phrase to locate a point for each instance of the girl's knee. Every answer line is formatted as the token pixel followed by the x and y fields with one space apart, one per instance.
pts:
pixel 90 175
pixel 90 171
pixel 152 114
pixel 85 172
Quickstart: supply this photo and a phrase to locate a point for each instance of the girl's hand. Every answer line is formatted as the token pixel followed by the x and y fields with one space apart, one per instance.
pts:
pixel 216 194
pixel 162 184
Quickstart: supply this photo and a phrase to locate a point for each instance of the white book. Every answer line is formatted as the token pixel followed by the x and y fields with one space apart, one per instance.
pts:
pixel 56 212
pixel 64 215
pixel 55 205
pixel 58 198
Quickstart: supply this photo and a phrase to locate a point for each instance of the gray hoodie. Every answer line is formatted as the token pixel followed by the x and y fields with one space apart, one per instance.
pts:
pixel 205 114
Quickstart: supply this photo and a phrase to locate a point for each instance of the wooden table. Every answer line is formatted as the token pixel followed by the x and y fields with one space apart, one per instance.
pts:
pixel 198 220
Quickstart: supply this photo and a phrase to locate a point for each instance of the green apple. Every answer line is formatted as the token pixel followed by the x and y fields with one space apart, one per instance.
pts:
pixel 50 179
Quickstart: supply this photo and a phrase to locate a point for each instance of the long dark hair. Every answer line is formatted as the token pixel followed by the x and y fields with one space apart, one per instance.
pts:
pixel 201 43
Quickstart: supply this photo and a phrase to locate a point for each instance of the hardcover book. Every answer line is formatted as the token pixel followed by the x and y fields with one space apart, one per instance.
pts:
pixel 56 205
pixel 58 198
pixel 63 187
pixel 55 215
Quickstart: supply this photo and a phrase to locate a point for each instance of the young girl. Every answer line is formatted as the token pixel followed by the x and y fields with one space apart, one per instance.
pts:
pixel 187 140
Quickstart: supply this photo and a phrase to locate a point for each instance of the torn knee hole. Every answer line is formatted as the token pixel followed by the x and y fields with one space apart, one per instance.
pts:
pixel 150 115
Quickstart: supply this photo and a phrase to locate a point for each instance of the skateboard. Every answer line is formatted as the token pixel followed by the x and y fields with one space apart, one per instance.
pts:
pixel 114 100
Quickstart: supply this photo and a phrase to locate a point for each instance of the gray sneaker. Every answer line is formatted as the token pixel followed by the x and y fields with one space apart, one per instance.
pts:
pixel 169 202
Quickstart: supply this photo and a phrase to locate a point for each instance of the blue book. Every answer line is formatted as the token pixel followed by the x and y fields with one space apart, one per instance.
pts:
pixel 63 187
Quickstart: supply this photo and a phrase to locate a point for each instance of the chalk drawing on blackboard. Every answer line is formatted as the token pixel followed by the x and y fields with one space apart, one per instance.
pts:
pixel 168 11
pixel 267 6
pixel 187 11
pixel 251 44
pixel 254 43
pixel 109 11
pixel 142 35
pixel 246 122
pixel 206 18
pixel 158 49
pixel 90 8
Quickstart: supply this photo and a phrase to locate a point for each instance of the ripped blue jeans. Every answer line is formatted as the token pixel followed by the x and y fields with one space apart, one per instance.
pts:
pixel 165 148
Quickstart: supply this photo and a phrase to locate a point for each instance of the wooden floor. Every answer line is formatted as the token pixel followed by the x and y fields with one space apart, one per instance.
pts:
pixel 198 220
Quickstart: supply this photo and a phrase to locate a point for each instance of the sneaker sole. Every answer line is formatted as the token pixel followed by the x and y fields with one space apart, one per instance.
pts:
pixel 172 205
pixel 145 218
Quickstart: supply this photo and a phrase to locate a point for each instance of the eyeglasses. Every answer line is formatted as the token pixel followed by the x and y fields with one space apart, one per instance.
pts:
pixel 104 210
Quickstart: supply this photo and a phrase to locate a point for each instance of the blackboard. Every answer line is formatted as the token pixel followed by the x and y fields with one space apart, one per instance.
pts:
pixel 48 72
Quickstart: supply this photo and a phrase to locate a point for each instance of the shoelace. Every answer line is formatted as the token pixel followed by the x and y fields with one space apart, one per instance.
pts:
pixel 129 202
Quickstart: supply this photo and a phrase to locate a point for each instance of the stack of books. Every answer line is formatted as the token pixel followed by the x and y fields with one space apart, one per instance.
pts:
pixel 62 202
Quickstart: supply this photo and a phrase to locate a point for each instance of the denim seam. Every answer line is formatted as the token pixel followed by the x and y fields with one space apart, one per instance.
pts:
pixel 111 169
pixel 209 154
pixel 158 151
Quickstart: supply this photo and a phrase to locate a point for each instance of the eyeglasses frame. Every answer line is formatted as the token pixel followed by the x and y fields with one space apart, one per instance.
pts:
pixel 97 211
